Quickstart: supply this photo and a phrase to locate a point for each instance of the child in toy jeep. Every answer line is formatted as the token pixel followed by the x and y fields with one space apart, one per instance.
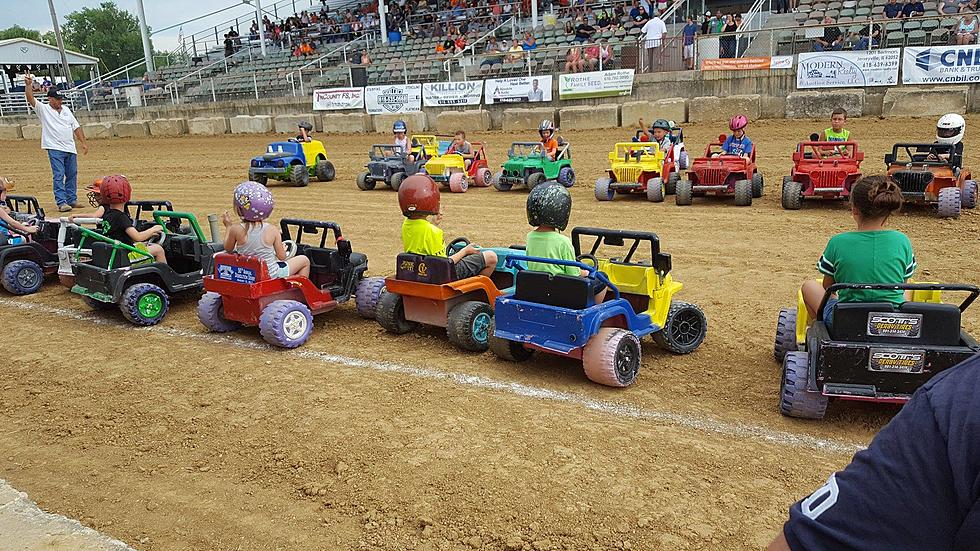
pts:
pixel 637 169
pixel 821 169
pixel 533 163
pixel 726 170
pixel 28 243
pixel 452 287
pixel 560 314
pixel 276 282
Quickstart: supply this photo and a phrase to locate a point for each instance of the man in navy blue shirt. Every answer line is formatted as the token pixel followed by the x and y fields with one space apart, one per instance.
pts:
pixel 690 32
pixel 913 8
pixel 916 487
pixel 892 9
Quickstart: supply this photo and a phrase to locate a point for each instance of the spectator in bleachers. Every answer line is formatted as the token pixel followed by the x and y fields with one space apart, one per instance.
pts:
pixel 573 60
pixel 706 24
pixel 728 43
pixel 592 56
pixel 892 9
pixel 782 6
pixel 653 31
pixel 833 38
pixel 229 46
pixel 583 31
pixel 253 31
pixel 638 14
pixel 966 30
pixel 603 20
pixel 690 33
pixel 492 55
pixel 967 6
pixel 913 8
pixel 515 53
pixel 866 42
pixel 619 12
pixel 529 42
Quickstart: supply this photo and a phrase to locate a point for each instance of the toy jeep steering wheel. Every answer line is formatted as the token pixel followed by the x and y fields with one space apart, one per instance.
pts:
pixel 159 238
pixel 583 257
pixel 451 248
pixel 291 248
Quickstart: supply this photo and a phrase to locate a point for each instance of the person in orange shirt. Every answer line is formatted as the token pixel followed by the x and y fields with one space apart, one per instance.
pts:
pixel 549 145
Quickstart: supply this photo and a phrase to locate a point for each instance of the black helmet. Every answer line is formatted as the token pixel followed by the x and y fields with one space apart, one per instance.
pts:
pixel 662 124
pixel 549 205
pixel 545 126
pixel 306 125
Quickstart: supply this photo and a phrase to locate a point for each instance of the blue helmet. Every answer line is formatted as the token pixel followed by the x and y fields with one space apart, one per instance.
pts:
pixel 399 126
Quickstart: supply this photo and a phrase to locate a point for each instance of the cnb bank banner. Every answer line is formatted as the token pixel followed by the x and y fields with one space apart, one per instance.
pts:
pixel 941 65
pixel 443 94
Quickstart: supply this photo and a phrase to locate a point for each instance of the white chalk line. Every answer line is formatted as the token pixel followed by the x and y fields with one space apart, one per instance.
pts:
pixel 693 422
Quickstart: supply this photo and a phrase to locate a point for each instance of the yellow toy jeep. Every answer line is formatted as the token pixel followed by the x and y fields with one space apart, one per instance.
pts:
pixel 637 167
pixel 448 167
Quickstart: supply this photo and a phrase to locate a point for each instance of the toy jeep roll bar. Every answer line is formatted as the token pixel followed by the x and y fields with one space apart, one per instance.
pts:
pixel 617 238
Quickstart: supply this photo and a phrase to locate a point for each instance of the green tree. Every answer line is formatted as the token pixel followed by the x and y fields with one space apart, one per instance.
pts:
pixel 19 32
pixel 107 32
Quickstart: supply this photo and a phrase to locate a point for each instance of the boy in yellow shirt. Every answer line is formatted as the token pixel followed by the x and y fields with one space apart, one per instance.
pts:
pixel 418 197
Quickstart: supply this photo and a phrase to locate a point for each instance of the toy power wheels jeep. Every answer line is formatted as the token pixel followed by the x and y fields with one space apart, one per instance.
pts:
pixel 558 314
pixel 389 165
pixel 529 166
pixel 931 173
pixel 871 351
pixel 637 167
pixel 240 291
pixel 450 169
pixel 26 258
pixel 294 162
pixel 721 175
pixel 821 170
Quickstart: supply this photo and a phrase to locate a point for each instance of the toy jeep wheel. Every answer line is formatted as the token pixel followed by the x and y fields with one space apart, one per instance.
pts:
pixel 655 190
pixel 483 177
pixel 683 161
pixel 499 184
pixel 364 183
pixel 144 304
pixel 258 178
pixel 325 171
pixel 469 325
pixel 684 330
pixel 785 333
pixel 458 183
pixel 612 357
pixel 602 190
pixel 757 185
pixel 286 323
pixel 211 312
pixel 795 399
pixel 792 197
pixel 950 202
pixel 507 350
pixel 367 295
pixel 299 176
pixel 684 193
pixel 968 196
pixel 390 313
pixel 22 277
pixel 534 180
pixel 396 180
pixel 566 176
pixel 670 187
pixel 743 193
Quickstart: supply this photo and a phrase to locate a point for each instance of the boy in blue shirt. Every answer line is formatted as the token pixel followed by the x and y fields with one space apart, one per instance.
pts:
pixel 690 32
pixel 738 143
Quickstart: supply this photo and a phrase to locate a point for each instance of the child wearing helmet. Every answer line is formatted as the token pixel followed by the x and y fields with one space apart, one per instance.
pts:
pixel 7 221
pixel 418 197
pixel 548 209
pixel 305 132
pixel 738 143
pixel 400 130
pixel 949 131
pixel 549 145
pixel 94 199
pixel 253 236
pixel 114 192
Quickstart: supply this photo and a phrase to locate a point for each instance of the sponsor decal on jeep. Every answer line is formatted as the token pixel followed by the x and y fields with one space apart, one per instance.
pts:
pixel 236 274
pixel 894 324
pixel 893 360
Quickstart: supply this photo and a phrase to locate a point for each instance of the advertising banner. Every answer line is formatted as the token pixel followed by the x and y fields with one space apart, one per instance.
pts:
pixel 393 98
pixel 848 69
pixel 747 63
pixel 518 90
pixel 596 84
pixel 335 99
pixel 941 65
pixel 447 94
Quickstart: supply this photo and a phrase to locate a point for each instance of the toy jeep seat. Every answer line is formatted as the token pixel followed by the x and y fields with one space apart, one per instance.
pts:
pixel 913 323
pixel 563 291
pixel 434 270
pixel 102 256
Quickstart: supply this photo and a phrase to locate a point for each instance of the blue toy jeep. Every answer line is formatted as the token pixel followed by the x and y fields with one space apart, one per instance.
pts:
pixel 292 161
pixel 558 314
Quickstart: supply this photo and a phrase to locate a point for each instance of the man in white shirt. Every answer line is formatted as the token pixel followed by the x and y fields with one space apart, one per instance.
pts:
pixel 535 93
pixel 58 132
pixel 654 31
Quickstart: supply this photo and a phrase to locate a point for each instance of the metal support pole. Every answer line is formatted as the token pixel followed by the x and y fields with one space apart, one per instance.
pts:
pixel 61 44
pixel 258 19
pixel 147 49
pixel 383 19
pixel 214 96
pixel 255 84
pixel 534 14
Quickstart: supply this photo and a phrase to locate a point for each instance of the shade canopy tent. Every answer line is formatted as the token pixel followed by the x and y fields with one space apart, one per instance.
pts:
pixel 19 52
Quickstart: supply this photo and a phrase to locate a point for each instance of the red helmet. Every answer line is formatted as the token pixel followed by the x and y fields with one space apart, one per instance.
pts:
pixel 419 194
pixel 115 189
pixel 738 122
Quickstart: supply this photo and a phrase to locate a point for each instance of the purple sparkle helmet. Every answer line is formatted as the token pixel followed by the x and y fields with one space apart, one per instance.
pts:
pixel 253 201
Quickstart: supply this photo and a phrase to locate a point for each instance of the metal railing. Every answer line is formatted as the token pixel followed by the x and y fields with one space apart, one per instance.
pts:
pixel 471 48
pixel 291 77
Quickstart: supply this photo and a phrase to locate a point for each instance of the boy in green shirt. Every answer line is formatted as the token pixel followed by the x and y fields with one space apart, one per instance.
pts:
pixel 548 208
pixel 836 133
pixel 418 197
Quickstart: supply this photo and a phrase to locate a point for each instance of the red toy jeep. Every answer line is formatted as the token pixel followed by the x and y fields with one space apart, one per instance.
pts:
pixel 821 169
pixel 722 175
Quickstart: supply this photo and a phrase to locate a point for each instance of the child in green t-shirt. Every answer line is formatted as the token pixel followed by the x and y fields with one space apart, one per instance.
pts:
pixel 548 208
pixel 871 254
pixel 836 133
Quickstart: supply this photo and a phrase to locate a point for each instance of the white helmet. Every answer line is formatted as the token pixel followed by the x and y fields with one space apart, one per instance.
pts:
pixel 950 129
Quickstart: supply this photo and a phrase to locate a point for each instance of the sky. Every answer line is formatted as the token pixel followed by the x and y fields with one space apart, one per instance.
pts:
pixel 34 14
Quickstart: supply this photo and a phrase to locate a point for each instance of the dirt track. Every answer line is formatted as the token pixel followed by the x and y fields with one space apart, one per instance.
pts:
pixel 171 439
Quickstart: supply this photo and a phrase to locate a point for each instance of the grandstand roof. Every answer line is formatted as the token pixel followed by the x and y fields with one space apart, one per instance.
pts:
pixel 23 51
